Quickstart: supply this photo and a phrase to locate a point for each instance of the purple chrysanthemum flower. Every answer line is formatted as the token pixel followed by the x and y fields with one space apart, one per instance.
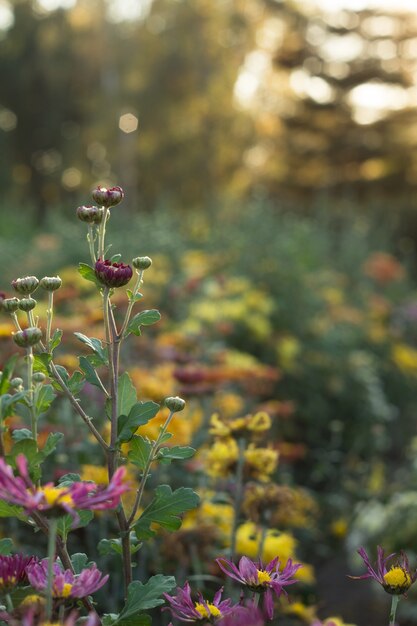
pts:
pixel 183 608
pixel 13 571
pixel 20 490
pixel 243 616
pixel 65 583
pixel 112 274
pixel 397 579
pixel 266 579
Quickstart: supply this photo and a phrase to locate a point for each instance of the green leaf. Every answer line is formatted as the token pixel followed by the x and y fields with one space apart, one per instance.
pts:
pixel 44 398
pixel 144 318
pixel 68 479
pixel 166 455
pixel 65 523
pixel 7 373
pixel 76 383
pixel 8 402
pixel 165 509
pixel 41 363
pixel 88 273
pixel 115 258
pixel 134 298
pixel 6 546
pixel 141 597
pixel 114 546
pixel 21 433
pixel 89 371
pixel 29 448
pixel 80 561
pixel 51 444
pixel 138 620
pixel 11 510
pixel 126 394
pixel 139 414
pixel 95 345
pixel 64 375
pixel 139 452
pixel 56 339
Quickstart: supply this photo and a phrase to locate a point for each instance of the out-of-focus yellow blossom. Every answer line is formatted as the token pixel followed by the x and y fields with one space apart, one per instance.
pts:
pixel 377 332
pixel 221 456
pixel 196 263
pixel 405 358
pixel 305 574
pixel 339 528
pixel 376 480
pixel 262 461
pixel 304 612
pixel 156 384
pixel 180 427
pixel 248 542
pixel 217 514
pixel 257 423
pixel 99 475
pixel 69 361
pixel 288 350
pixel 6 329
pixel 335 621
pixel 228 404
pixel 333 295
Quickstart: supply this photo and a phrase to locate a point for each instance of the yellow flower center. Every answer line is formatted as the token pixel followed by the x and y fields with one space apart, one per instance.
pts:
pixel 65 592
pixel 212 611
pixel 263 577
pixel 397 578
pixel 32 599
pixel 56 495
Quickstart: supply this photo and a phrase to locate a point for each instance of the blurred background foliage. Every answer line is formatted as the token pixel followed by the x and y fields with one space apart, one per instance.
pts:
pixel 268 150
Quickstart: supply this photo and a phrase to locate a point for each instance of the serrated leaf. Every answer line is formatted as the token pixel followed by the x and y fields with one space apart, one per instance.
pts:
pixel 175 453
pixel 68 479
pixel 11 510
pixel 141 597
pixel 127 396
pixel 65 523
pixel 114 546
pixel 95 345
pixel 21 433
pixel 89 371
pixel 64 375
pixel 44 398
pixel 76 382
pixel 80 561
pixel 41 363
pixel 144 318
pixel 29 448
pixel 6 546
pixel 165 509
pixel 88 273
pixel 56 339
pixel 139 452
pixel 134 298
pixel 8 402
pixel 51 444
pixel 139 415
pixel 139 620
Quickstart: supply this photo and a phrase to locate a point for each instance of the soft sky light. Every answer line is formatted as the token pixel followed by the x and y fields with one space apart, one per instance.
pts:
pixel 359 5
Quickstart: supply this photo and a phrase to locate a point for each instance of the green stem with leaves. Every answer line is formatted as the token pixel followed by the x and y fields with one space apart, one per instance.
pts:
pixel 29 370
pixel 394 604
pixel 131 303
pixel 49 316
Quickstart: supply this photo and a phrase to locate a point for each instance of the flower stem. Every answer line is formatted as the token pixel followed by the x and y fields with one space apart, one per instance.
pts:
pixel 33 416
pixel 131 303
pixel 91 239
pixel 53 527
pixel 9 603
pixel 102 233
pixel 238 495
pixel 255 600
pixel 49 315
pixel 394 604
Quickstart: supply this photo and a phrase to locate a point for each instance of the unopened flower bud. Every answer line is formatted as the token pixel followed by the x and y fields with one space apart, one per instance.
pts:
pixel 28 337
pixel 38 377
pixel 175 404
pixel 51 283
pixel 2 297
pixel 108 197
pixel 16 382
pixel 25 285
pixel 10 304
pixel 27 304
pixel 142 262
pixel 90 214
pixel 113 274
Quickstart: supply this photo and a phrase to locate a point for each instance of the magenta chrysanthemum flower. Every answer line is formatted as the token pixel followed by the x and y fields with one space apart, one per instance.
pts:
pixel 183 608
pixel 243 616
pixel 65 583
pixel 266 579
pixel 82 495
pixel 397 579
pixel 112 274
pixel 13 571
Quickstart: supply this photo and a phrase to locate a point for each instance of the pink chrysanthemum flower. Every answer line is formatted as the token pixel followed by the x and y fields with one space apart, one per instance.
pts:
pixel 12 571
pixel 397 579
pixel 20 490
pixel 66 584
pixel 268 579
pixel 183 608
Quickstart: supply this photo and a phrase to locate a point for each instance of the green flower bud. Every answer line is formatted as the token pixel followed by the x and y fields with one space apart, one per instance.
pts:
pixel 25 285
pixel 175 404
pixel 51 283
pixel 27 304
pixel 38 377
pixel 142 262
pixel 10 304
pixel 28 337
pixel 16 382
pixel 90 214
